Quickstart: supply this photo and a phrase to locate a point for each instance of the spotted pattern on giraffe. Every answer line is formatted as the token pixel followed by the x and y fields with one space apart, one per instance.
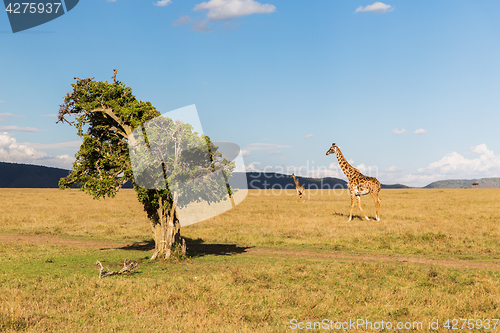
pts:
pixel 358 183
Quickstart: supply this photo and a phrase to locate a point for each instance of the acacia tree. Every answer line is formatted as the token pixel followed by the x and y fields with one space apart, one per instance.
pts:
pixel 106 116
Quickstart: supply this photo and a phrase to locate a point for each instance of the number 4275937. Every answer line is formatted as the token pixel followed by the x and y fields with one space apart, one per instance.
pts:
pixel 32 7
pixel 461 324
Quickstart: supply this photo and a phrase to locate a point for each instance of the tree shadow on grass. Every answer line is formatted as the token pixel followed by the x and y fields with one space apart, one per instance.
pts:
pixel 195 248
pixel 145 245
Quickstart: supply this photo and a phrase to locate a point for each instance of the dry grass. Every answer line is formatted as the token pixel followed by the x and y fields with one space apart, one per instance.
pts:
pixel 72 213
pixel 290 271
pixel 435 223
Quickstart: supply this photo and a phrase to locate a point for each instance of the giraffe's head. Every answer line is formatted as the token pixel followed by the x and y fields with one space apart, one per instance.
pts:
pixel 332 150
pixel 293 175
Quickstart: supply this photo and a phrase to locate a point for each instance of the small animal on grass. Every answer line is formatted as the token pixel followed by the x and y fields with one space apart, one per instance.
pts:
pixel 358 184
pixel 298 186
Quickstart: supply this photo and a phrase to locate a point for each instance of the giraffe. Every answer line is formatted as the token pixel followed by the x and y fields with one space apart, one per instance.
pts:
pixel 358 184
pixel 298 186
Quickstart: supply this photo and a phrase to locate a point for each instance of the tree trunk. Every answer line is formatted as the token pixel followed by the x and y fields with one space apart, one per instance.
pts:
pixel 167 233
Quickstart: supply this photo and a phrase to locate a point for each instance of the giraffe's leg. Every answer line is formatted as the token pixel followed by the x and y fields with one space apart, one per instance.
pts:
pixel 359 205
pixel 377 204
pixel 352 207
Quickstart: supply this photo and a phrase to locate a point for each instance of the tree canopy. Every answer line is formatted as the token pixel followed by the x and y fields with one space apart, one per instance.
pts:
pixel 105 114
pixel 127 139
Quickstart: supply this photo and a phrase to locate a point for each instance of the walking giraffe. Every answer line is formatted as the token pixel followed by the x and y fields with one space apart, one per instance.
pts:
pixel 298 186
pixel 358 184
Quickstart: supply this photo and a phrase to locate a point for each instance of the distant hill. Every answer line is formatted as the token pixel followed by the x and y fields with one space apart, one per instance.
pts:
pixel 14 175
pixel 461 183
pixel 395 186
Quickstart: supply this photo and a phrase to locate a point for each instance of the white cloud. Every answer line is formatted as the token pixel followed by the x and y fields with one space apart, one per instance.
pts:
pixel 456 166
pixel 333 166
pixel 308 136
pixel 60 161
pixel 420 131
pixel 273 153
pixel 223 10
pixel 362 167
pixel 368 170
pixel 403 131
pixel 397 131
pixel 19 129
pixel 390 175
pixel 9 115
pixel 240 168
pixel 2 101
pixel 251 167
pixel 12 151
pixel 376 7
pixel 393 169
pixel 201 26
pixel 245 152
pixel 162 3
pixel 183 19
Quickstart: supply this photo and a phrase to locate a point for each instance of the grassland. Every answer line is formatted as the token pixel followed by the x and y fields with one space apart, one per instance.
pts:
pixel 435 255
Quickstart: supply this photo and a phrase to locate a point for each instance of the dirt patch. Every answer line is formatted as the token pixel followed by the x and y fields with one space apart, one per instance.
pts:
pixel 375 258
pixel 230 249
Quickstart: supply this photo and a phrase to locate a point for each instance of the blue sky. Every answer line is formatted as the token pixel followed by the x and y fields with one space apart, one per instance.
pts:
pixel 407 89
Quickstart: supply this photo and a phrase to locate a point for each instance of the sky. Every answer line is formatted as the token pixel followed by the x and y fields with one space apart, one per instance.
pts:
pixel 409 90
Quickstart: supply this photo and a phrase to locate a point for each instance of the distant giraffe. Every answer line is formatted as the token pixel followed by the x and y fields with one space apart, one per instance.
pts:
pixel 358 184
pixel 298 186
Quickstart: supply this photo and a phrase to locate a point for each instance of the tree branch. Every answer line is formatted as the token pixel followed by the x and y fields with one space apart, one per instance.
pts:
pixel 128 268
pixel 109 112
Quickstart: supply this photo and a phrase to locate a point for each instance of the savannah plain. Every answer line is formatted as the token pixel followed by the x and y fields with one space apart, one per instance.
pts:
pixel 435 255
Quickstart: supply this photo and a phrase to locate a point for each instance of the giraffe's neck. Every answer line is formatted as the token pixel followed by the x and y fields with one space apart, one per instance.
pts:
pixel 348 169
pixel 295 181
